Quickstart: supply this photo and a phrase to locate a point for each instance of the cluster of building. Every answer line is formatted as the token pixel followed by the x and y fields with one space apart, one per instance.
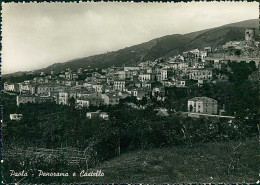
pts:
pixel 112 84
pixel 107 87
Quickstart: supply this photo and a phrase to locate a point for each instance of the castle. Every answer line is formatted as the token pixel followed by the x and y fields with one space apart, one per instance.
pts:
pixel 249 34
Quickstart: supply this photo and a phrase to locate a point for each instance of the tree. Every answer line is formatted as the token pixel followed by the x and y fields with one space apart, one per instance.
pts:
pixel 238 52
pixel 252 66
pixel 72 101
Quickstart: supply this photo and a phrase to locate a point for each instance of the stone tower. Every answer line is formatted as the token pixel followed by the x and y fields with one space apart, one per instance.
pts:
pixel 249 34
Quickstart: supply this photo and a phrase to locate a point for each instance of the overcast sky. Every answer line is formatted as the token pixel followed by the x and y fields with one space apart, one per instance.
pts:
pixel 36 35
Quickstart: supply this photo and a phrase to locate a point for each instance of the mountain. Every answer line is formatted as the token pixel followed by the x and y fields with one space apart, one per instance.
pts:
pixel 166 46
pixel 252 23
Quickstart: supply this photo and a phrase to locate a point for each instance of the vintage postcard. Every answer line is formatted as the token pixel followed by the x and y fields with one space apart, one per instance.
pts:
pixel 137 93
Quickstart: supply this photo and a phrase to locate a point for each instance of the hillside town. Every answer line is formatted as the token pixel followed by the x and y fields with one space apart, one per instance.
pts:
pixel 95 87
pixel 133 92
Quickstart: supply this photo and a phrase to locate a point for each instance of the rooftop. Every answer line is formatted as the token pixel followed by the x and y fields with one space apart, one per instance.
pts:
pixel 203 98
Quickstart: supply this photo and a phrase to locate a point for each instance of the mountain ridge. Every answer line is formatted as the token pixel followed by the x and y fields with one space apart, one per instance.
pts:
pixel 165 47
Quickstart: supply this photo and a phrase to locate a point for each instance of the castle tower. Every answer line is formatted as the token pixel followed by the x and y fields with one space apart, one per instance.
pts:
pixel 249 34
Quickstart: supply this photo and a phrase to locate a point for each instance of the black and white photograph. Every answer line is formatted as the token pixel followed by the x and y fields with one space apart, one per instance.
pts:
pixel 127 92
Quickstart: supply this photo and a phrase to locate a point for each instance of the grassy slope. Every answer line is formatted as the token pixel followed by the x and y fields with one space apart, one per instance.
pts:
pixel 200 163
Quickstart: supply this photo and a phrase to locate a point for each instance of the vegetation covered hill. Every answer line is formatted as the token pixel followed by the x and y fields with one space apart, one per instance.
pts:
pixel 213 37
pixel 166 46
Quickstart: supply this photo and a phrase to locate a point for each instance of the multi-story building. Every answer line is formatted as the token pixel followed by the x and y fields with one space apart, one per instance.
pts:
pixel 203 105
pixel 157 71
pixel 14 87
pixel 33 88
pixel 24 87
pixel 119 85
pixel 45 99
pixel 147 85
pixel 97 87
pixel 200 74
pixel 164 74
pixel 132 68
pixel 120 75
pixel 81 103
pixel 70 76
pixel 143 77
pixel 178 66
pixel 45 89
pixel 25 98
pixel 65 95
pixel 63 98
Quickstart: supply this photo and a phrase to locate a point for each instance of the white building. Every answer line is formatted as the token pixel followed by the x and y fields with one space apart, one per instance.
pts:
pixel 63 98
pixel 11 87
pixel 104 115
pixel 200 74
pixel 203 105
pixel 16 117
pixel 97 114
pixel 25 98
pixel 97 87
pixel 144 77
pixel 81 103
pixel 119 85
pixel 121 75
pixel 164 74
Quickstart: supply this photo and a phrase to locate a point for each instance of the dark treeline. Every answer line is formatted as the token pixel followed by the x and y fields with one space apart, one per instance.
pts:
pixel 127 129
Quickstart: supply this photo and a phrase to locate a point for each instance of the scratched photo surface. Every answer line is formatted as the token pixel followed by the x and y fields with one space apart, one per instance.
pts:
pixel 116 92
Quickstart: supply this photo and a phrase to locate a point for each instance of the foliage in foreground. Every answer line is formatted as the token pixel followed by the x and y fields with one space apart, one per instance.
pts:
pixel 214 162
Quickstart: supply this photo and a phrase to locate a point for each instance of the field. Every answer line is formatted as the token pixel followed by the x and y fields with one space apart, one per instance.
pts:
pixel 202 163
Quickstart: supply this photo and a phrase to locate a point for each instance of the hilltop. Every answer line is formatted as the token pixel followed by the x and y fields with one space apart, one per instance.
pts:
pixel 165 47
